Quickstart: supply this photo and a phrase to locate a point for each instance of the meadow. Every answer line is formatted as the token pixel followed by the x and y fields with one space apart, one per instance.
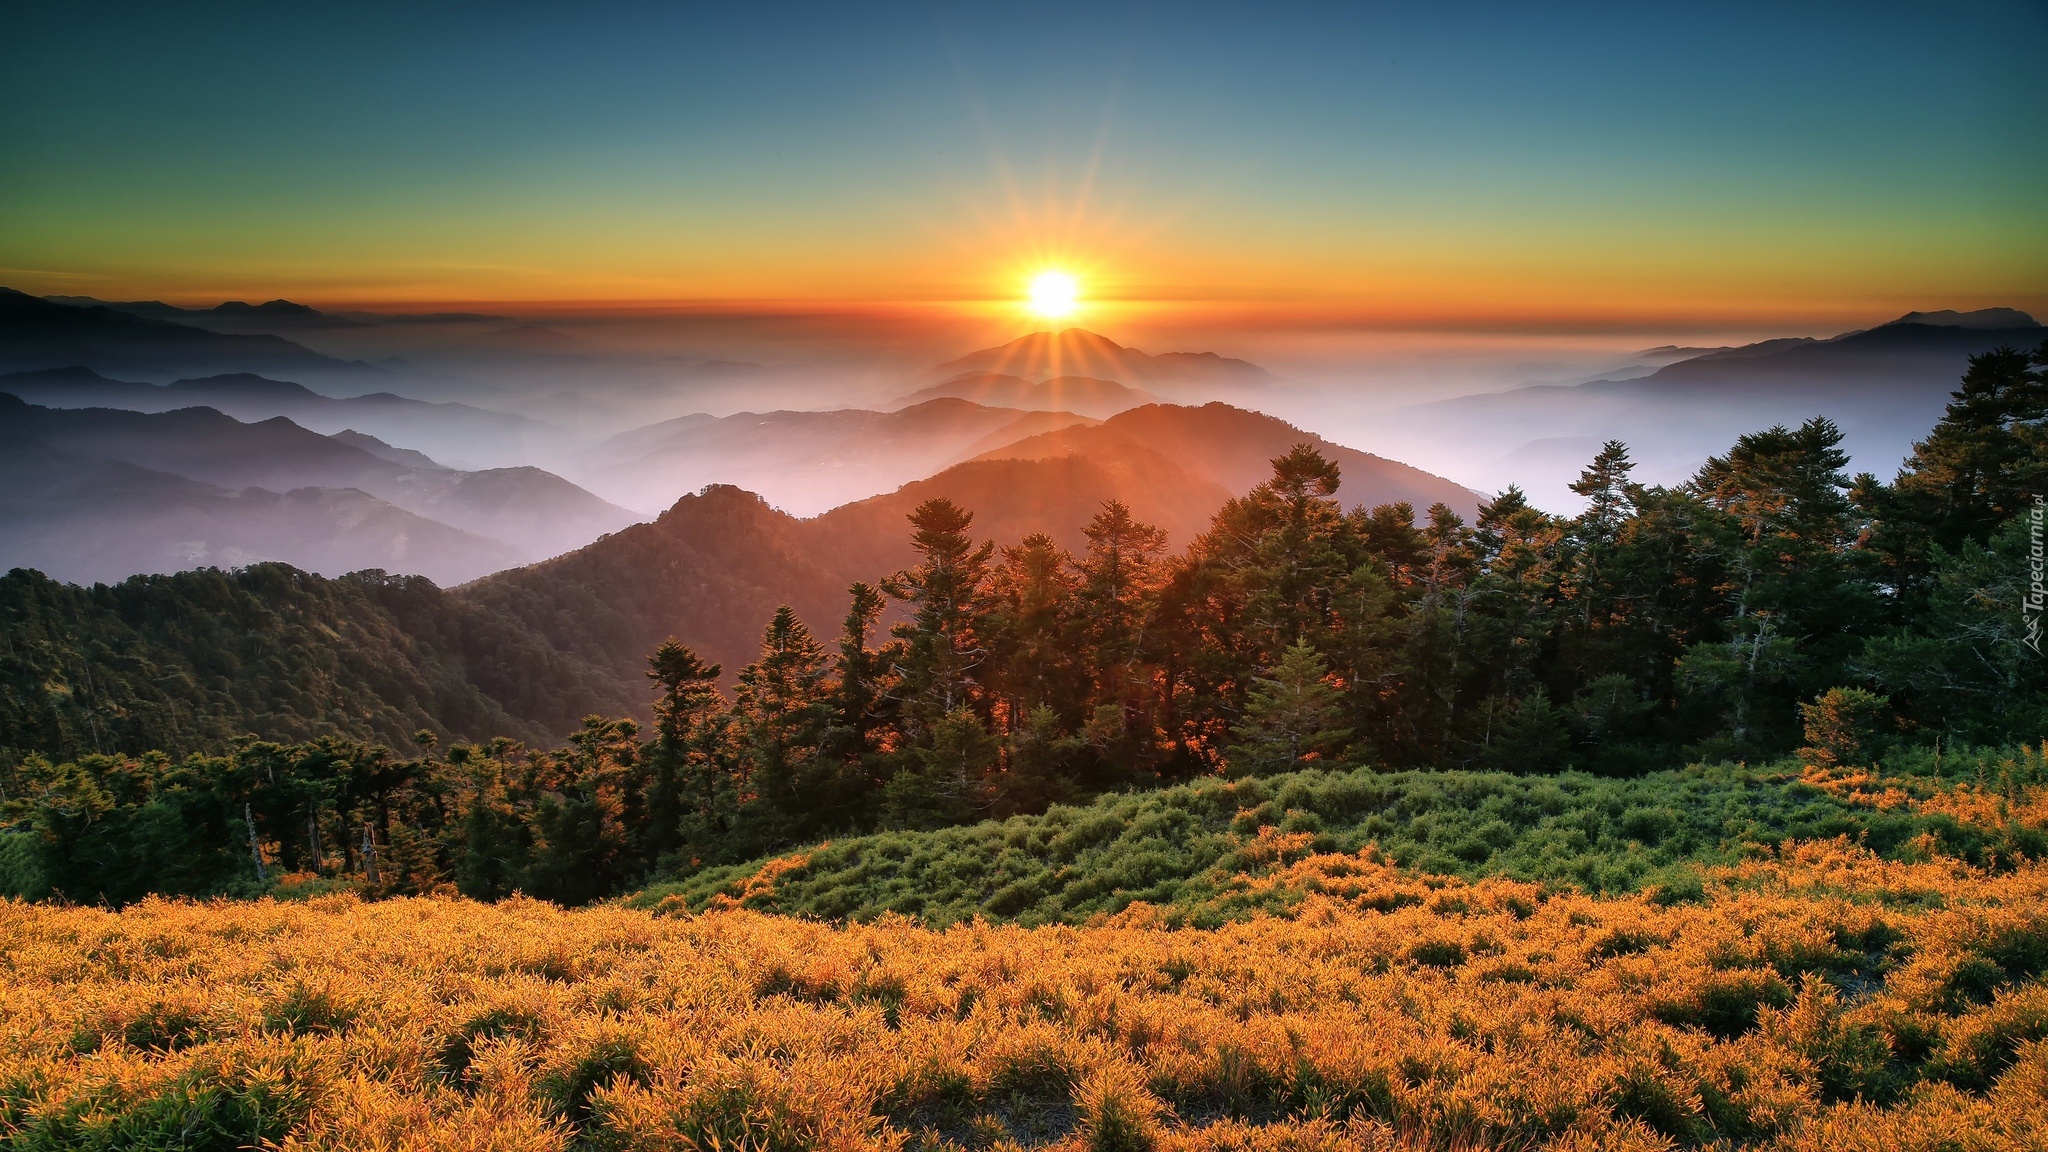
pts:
pixel 1814 994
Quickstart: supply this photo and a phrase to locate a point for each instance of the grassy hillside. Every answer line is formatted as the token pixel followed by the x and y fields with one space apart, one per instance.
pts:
pixel 1824 1000
pixel 1207 852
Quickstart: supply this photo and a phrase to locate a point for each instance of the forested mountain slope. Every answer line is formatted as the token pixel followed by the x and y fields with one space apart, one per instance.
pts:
pixel 192 661
pixel 710 570
pixel 714 566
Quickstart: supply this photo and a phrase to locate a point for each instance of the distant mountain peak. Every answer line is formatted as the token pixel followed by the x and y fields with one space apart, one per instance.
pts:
pixel 246 384
pixel 1084 395
pixel 283 308
pixel 1077 352
pixel 1979 318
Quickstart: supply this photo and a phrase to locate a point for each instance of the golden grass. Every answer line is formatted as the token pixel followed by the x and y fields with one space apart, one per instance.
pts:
pixel 1823 1000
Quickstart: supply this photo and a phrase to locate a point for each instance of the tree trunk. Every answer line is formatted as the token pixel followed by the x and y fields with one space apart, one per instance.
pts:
pixel 255 848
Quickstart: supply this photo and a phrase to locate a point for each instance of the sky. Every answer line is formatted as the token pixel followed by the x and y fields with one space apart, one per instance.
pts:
pixel 1308 168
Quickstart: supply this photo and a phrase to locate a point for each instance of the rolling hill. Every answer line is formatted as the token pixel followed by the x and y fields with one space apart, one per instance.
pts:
pixel 90 521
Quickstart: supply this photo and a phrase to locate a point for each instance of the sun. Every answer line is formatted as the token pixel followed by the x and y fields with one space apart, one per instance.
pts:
pixel 1053 294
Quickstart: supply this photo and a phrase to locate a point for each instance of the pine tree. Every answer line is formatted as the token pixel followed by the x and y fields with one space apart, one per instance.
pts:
pixel 945 779
pixel 942 645
pixel 585 820
pixel 1118 578
pixel 1983 464
pixel 496 843
pixel 1030 629
pixel 1796 597
pixel 690 790
pixel 1291 717
pixel 1040 769
pixel 1610 494
pixel 780 717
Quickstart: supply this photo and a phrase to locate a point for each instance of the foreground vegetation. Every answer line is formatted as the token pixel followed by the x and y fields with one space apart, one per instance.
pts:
pixel 1201 854
pixel 1820 999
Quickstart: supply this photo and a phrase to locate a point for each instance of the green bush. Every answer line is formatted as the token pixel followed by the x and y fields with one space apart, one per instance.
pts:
pixel 1184 848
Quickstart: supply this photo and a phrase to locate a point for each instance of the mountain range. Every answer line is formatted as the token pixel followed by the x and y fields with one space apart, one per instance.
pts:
pixel 37 334
pixel 1885 386
pixel 460 433
pixel 99 494
pixel 194 658
pixel 229 315
pixel 802 462
pixel 527 640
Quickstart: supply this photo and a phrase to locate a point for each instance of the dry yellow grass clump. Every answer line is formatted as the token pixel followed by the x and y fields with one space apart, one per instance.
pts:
pixel 1823 1000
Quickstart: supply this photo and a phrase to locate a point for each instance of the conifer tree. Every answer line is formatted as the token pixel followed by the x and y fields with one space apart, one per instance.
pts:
pixel 1291 717
pixel 858 724
pixel 1982 465
pixel 495 842
pixel 691 792
pixel 1792 593
pixel 1296 561
pixel 1030 629
pixel 945 779
pixel 942 645
pixel 781 713
pixel 586 816
pixel 1118 577
pixel 1040 771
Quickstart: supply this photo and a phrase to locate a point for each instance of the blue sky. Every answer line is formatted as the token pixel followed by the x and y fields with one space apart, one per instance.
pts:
pixel 1368 160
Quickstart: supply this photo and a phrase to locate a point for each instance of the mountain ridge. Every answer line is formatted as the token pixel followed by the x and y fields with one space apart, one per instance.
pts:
pixel 522 513
pixel 1083 395
pixel 1079 352
pixel 37 334
pixel 461 431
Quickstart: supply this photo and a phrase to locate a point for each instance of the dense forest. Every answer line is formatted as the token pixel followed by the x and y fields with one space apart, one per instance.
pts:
pixel 1771 604
pixel 188 662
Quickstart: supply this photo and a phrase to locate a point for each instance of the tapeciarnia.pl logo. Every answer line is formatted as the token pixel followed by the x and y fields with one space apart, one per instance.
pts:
pixel 2037 579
